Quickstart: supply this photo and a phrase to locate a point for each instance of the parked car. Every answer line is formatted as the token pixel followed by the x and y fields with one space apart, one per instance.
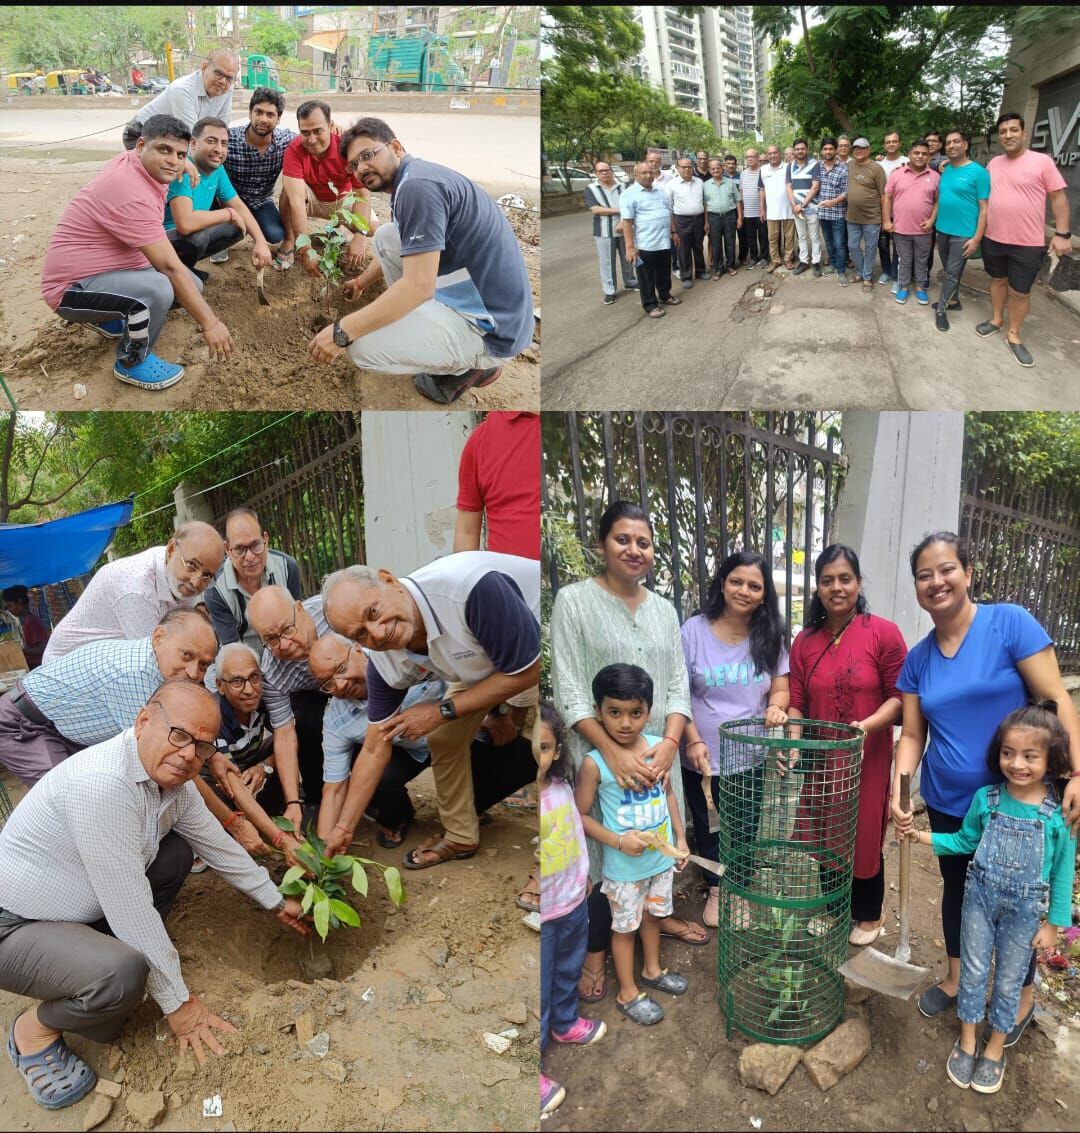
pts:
pixel 579 177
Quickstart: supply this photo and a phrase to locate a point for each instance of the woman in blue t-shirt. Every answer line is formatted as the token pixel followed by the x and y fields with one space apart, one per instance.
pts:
pixel 978 664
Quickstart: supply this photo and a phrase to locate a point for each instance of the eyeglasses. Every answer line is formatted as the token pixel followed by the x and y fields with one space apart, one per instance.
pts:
pixel 237 683
pixel 330 683
pixel 180 739
pixel 271 639
pixel 363 157
pixel 195 568
pixel 223 75
pixel 239 550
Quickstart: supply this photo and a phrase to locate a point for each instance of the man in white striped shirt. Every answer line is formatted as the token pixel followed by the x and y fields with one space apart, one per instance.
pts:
pixel 602 199
pixel 91 862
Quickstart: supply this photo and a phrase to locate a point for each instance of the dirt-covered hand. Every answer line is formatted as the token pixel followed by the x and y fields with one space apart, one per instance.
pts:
pixel 219 341
pixel 261 255
pixel 351 289
pixel 309 260
pixel 354 254
pixel 194 1023
pixel 248 837
pixel 291 915
pixel 337 841
pixel 322 347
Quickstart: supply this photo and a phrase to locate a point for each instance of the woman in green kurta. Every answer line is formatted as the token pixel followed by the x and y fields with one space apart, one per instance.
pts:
pixel 608 620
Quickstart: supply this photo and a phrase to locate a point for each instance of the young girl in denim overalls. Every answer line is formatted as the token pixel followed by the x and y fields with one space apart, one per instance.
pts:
pixel 1022 870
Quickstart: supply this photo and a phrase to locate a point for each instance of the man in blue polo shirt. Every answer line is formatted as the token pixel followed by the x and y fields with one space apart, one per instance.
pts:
pixel 194 227
pixel 963 196
pixel 649 229
pixel 458 301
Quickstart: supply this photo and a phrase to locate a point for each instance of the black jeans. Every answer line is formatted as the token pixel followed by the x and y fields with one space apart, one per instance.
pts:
pixel 722 240
pixel 206 242
pixel 691 230
pixel 269 221
pixel 706 842
pixel 954 875
pixel 867 894
pixel 308 707
pixel 890 259
pixel 496 771
pixel 654 278
pixel 757 238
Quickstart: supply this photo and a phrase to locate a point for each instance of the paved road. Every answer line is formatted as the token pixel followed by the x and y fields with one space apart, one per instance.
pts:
pixel 813 345
pixel 500 153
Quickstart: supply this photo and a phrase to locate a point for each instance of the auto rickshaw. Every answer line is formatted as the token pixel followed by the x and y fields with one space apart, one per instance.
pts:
pixel 21 81
pixel 67 81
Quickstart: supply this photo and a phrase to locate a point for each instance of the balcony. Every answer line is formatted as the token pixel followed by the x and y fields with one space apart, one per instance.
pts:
pixel 682 71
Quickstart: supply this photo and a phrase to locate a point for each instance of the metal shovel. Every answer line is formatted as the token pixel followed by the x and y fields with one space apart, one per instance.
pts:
pixel 892 975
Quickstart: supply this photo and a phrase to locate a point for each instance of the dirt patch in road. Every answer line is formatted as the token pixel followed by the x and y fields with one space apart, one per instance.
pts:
pixel 683 1074
pixel 405 1004
pixel 43 357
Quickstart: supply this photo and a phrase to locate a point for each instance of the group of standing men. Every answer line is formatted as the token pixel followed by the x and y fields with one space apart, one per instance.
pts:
pixel 188 186
pixel 840 209
pixel 140 757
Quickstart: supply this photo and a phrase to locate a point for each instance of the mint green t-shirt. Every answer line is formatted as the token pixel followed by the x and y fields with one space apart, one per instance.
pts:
pixel 959 192
pixel 1059 846
pixel 211 187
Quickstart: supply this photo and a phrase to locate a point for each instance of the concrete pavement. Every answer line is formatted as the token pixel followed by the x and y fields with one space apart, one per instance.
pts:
pixel 811 344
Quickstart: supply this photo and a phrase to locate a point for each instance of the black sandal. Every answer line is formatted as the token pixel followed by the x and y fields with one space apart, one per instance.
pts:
pixel 394 839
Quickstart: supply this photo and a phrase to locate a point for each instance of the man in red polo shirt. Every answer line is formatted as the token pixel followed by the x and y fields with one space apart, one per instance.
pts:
pixel 314 179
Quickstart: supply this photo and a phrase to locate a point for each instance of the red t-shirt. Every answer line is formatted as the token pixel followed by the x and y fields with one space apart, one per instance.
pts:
pixel 105 224
pixel 319 172
pixel 500 474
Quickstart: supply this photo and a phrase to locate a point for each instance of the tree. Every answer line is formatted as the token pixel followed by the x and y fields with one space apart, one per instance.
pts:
pixel 269 34
pixel 586 38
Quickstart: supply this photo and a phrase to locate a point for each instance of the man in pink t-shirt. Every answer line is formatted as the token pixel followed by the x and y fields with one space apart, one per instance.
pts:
pixel 110 265
pixel 1014 246
pixel 908 212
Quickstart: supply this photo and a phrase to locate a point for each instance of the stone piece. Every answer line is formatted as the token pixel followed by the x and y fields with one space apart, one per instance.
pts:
pixel 334 1070
pixel 146 1109
pixel 109 1089
pixel 305 1028
pixel 517 1013
pixel 100 1108
pixel 838 1054
pixel 767 1066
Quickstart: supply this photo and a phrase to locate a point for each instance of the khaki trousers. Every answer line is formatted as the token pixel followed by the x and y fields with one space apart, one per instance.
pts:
pixel 785 228
pixel 450 747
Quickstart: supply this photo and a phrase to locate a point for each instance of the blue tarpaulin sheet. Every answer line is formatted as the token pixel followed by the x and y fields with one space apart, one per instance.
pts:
pixel 40 554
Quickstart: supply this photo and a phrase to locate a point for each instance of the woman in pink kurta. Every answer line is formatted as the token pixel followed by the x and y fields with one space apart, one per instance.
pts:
pixel 844 668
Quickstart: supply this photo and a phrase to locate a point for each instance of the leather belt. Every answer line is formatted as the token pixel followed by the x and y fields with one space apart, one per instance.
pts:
pixel 27 707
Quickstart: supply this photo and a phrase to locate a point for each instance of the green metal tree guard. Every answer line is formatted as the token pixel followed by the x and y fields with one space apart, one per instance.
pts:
pixel 789 800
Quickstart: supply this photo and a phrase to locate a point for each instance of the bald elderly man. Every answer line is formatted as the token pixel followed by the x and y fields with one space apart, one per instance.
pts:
pixel 91 862
pixel 128 597
pixel 472 619
pixel 288 629
pixel 94 693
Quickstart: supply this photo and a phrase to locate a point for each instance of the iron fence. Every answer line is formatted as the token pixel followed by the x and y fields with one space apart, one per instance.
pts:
pixel 311 500
pixel 712 483
pixel 1025 548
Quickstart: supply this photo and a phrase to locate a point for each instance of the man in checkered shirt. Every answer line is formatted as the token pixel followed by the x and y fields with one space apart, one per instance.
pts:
pixel 91 862
pixel 95 693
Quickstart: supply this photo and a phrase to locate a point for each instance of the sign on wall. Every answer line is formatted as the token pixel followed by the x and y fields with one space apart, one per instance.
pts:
pixel 1057 130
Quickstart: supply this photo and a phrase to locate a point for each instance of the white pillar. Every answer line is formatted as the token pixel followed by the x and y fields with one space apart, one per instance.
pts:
pixel 197 507
pixel 903 481
pixel 410 464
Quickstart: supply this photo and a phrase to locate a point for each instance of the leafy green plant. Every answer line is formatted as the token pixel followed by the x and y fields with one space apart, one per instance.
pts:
pixel 323 893
pixel 330 241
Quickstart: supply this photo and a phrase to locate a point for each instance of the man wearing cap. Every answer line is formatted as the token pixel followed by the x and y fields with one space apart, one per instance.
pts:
pixel 1015 243
pixel 866 194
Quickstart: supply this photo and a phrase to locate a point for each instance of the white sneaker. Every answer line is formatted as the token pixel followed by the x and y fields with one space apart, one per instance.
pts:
pixel 199 866
pixel 220 257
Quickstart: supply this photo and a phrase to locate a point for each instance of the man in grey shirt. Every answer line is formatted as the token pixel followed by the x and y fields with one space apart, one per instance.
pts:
pixel 91 862
pixel 205 93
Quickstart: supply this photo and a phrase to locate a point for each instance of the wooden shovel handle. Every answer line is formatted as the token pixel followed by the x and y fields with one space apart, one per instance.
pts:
pixel 905 791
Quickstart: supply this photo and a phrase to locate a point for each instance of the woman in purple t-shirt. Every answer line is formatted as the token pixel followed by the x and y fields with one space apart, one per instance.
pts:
pixel 738 668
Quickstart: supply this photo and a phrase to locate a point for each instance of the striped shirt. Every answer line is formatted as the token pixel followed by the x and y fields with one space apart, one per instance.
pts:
pixel 801 178
pixel 254 174
pixel 96 692
pixel 77 848
pixel 750 182
pixel 280 678
pixel 605 197
pixel 833 184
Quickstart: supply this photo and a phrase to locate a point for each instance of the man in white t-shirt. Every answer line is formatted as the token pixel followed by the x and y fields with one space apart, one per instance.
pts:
pixel 776 210
pixel 890 262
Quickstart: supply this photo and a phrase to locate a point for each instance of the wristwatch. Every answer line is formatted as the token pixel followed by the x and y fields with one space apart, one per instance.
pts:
pixel 267 769
pixel 447 709
pixel 340 337
pixel 1066 235
pixel 501 709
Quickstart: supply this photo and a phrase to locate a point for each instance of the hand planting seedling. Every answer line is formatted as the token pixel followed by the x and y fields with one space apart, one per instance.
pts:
pixel 323 894
pixel 330 242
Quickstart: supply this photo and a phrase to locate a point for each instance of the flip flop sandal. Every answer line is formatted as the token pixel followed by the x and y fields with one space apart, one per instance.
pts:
pixel 56 1077
pixel 668 981
pixel 960 1066
pixel 283 260
pixel 656 313
pixel 443 850
pixel 988 1075
pixel 642 1010
pixel 394 839
pixel 529 898
pixel 596 980
pixel 687 936
pixel 671 301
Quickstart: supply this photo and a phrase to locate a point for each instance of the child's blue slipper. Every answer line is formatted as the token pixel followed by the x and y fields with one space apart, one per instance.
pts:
pixel 668 981
pixel 642 1010
pixel 988 1075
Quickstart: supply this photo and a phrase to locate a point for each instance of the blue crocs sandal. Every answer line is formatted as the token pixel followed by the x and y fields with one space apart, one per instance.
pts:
pixel 1014 1035
pixel 988 1075
pixel 56 1077
pixel 668 981
pixel 959 1066
pixel 111 328
pixel 642 1010
pixel 151 373
pixel 933 1002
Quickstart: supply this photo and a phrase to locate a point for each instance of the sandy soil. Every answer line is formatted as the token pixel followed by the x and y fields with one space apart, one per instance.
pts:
pixel 682 1074
pixel 405 1003
pixel 43 356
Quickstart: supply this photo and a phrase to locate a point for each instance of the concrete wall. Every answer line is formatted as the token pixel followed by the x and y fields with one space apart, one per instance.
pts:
pixel 903 481
pixel 410 464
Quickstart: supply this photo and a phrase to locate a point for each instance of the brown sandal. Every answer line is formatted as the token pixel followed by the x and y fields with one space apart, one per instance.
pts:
pixel 442 849
pixel 529 897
